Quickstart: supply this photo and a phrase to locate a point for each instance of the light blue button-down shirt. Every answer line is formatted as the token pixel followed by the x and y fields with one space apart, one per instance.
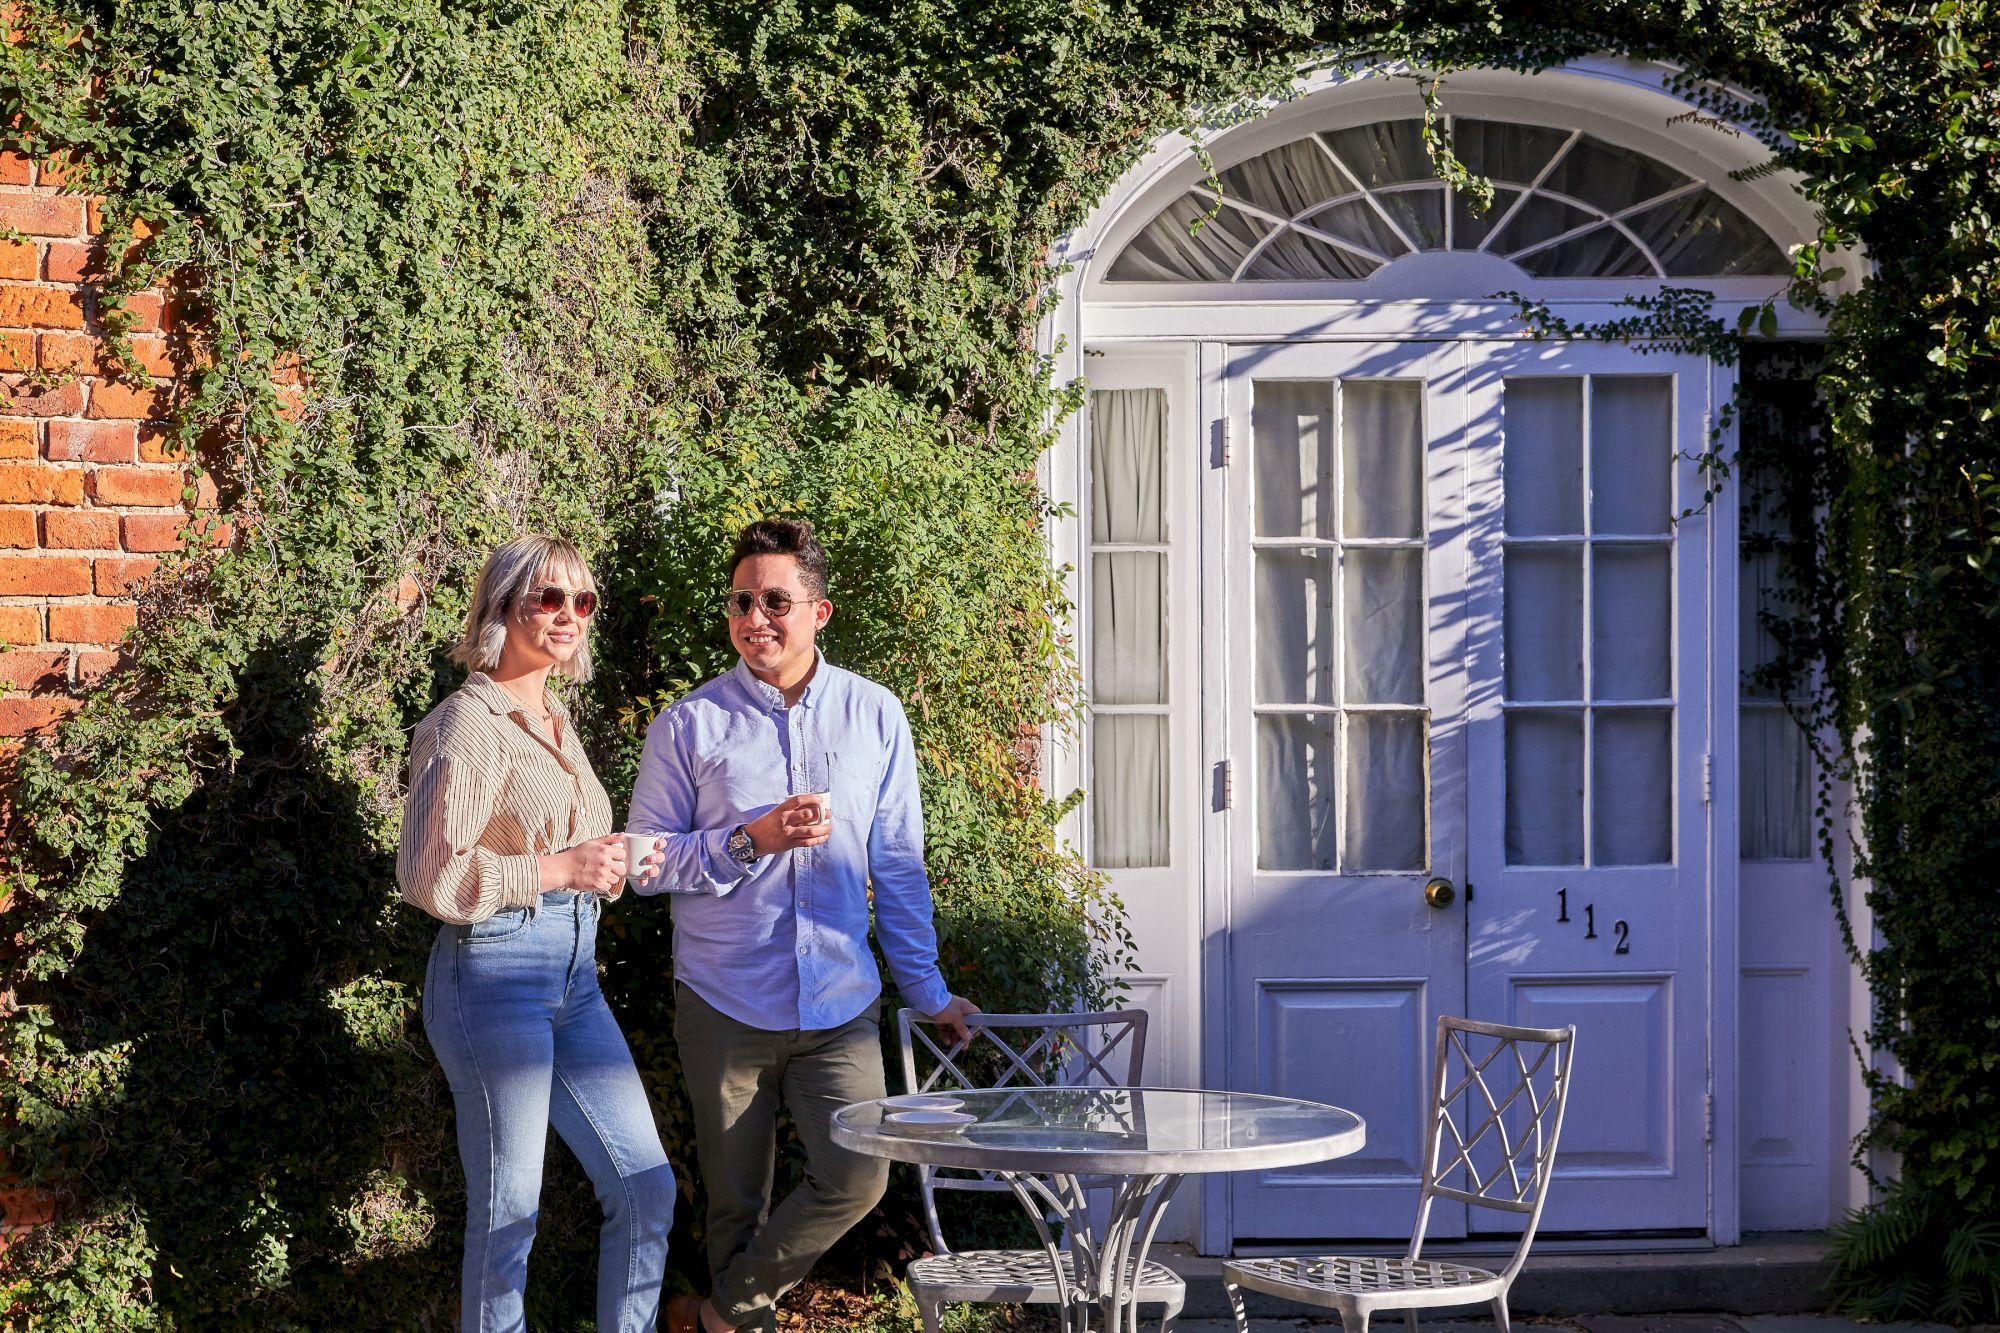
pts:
pixel 783 943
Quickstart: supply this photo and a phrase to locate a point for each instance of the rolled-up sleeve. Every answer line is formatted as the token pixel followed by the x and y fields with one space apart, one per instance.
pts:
pixel 695 860
pixel 902 888
pixel 441 867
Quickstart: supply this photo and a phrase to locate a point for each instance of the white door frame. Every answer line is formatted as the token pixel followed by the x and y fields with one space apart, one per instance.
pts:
pixel 1087 317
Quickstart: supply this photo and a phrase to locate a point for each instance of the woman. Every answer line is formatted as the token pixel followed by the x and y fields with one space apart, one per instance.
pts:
pixel 507 839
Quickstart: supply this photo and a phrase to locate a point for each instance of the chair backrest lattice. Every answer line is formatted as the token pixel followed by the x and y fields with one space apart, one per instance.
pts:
pixel 1492 1143
pixel 1102 1049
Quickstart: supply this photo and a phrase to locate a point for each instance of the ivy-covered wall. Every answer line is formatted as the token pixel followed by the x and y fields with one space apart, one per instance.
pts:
pixel 636 272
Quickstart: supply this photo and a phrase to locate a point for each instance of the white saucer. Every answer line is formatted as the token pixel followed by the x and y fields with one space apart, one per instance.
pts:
pixel 930 1122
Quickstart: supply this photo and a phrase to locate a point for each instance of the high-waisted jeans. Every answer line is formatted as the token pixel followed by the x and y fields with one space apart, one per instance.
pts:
pixel 512 1007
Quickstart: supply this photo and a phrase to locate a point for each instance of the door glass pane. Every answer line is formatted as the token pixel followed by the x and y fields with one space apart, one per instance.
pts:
pixel 1382 463
pixel 1631 776
pixel 1295 791
pixel 1128 791
pixel 1544 789
pixel 1764 595
pixel 1128 442
pixel 1629 619
pixel 1631 453
pixel 1542 423
pixel 1384 611
pixel 1294 619
pixel 1543 632
pixel 1385 792
pixel 1777 786
pixel 1128 630
pixel 1293 426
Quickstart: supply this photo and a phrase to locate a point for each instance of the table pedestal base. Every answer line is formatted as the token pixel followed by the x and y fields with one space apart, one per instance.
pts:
pixel 1110 1262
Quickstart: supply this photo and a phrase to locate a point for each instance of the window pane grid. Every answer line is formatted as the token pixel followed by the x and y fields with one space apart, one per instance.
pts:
pixel 1130 684
pixel 1340 204
pixel 1608 745
pixel 1314 735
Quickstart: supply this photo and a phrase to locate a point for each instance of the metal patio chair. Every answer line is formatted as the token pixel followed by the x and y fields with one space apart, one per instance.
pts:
pixel 1106 1049
pixel 1516 1081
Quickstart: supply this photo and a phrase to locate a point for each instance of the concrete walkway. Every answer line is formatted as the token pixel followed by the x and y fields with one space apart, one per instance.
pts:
pixel 1665 1323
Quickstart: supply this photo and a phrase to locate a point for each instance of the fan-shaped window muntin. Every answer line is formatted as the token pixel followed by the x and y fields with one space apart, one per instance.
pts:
pixel 1340 204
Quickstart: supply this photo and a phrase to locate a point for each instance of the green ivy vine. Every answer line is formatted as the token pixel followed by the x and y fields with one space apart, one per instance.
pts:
pixel 637 271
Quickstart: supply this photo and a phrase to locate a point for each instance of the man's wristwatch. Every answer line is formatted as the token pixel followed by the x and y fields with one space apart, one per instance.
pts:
pixel 741 849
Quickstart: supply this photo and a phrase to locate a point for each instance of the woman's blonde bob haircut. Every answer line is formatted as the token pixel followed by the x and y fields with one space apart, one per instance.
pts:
pixel 509 574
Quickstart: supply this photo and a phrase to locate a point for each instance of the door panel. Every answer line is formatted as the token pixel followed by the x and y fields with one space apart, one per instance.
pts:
pixel 1588 725
pixel 1487 665
pixel 1344 656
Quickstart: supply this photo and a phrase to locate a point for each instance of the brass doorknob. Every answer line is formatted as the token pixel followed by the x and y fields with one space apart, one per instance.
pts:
pixel 1439 893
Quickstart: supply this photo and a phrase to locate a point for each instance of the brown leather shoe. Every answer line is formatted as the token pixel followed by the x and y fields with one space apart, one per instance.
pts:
pixel 683 1314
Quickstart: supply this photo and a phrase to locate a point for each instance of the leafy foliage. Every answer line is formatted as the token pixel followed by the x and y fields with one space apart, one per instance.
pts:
pixel 1917 1256
pixel 636 271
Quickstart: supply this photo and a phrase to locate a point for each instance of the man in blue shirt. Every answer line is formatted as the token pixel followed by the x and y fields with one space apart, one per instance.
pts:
pixel 786 793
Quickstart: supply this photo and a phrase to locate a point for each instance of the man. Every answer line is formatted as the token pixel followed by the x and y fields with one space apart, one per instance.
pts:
pixel 786 790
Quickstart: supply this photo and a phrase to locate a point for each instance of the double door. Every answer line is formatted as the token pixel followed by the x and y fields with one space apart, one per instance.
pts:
pixel 1459 684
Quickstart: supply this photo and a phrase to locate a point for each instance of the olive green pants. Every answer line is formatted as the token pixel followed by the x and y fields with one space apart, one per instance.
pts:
pixel 736 1075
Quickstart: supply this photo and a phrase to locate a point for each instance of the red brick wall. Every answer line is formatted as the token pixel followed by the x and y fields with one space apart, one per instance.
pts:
pixel 89 495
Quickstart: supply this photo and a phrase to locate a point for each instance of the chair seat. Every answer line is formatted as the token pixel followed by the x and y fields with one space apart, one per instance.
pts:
pixel 1021 1277
pixel 1353 1281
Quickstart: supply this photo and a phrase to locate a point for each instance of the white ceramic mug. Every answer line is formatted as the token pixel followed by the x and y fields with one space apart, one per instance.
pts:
pixel 639 846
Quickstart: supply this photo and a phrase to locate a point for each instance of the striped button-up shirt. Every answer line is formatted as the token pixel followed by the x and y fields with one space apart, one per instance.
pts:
pixel 782 943
pixel 489 793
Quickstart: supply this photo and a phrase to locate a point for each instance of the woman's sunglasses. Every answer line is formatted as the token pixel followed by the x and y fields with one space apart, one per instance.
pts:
pixel 776 603
pixel 550 599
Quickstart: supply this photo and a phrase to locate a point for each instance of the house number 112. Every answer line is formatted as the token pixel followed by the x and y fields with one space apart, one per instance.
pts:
pixel 1623 930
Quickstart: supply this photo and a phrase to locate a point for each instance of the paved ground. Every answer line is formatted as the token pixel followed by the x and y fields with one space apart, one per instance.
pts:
pixel 1665 1323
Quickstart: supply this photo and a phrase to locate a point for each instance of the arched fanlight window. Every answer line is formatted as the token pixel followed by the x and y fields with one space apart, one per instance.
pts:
pixel 1342 203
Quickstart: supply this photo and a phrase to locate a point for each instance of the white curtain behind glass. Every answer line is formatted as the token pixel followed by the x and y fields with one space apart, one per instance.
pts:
pixel 1776 804
pixel 1128 627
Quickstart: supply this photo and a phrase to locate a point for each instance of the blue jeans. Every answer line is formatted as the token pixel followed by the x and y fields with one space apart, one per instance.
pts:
pixel 513 1010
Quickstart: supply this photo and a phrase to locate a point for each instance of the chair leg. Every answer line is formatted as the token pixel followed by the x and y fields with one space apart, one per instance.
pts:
pixel 1168 1317
pixel 1410 1319
pixel 1500 1313
pixel 1354 1321
pixel 1236 1307
pixel 932 1313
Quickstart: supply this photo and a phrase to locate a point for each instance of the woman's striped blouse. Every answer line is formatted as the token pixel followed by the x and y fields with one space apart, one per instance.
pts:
pixel 489 793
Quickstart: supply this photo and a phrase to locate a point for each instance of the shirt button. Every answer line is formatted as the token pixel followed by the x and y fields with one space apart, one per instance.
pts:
pixel 804 949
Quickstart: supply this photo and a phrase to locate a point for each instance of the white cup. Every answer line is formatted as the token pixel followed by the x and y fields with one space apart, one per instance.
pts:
pixel 639 846
pixel 824 800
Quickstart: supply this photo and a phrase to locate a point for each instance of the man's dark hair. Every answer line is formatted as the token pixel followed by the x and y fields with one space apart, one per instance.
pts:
pixel 784 536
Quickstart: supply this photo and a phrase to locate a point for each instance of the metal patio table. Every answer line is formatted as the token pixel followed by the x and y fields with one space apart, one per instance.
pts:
pixel 1050 1145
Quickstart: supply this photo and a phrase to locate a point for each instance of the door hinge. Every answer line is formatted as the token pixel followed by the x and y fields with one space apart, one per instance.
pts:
pixel 1707 779
pixel 1228 439
pixel 1708 1117
pixel 1225 785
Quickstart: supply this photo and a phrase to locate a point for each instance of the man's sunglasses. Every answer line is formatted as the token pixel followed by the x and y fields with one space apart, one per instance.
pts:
pixel 776 602
pixel 550 599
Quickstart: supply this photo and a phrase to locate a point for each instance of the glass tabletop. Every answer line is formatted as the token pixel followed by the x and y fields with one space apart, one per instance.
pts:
pixel 1098 1130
